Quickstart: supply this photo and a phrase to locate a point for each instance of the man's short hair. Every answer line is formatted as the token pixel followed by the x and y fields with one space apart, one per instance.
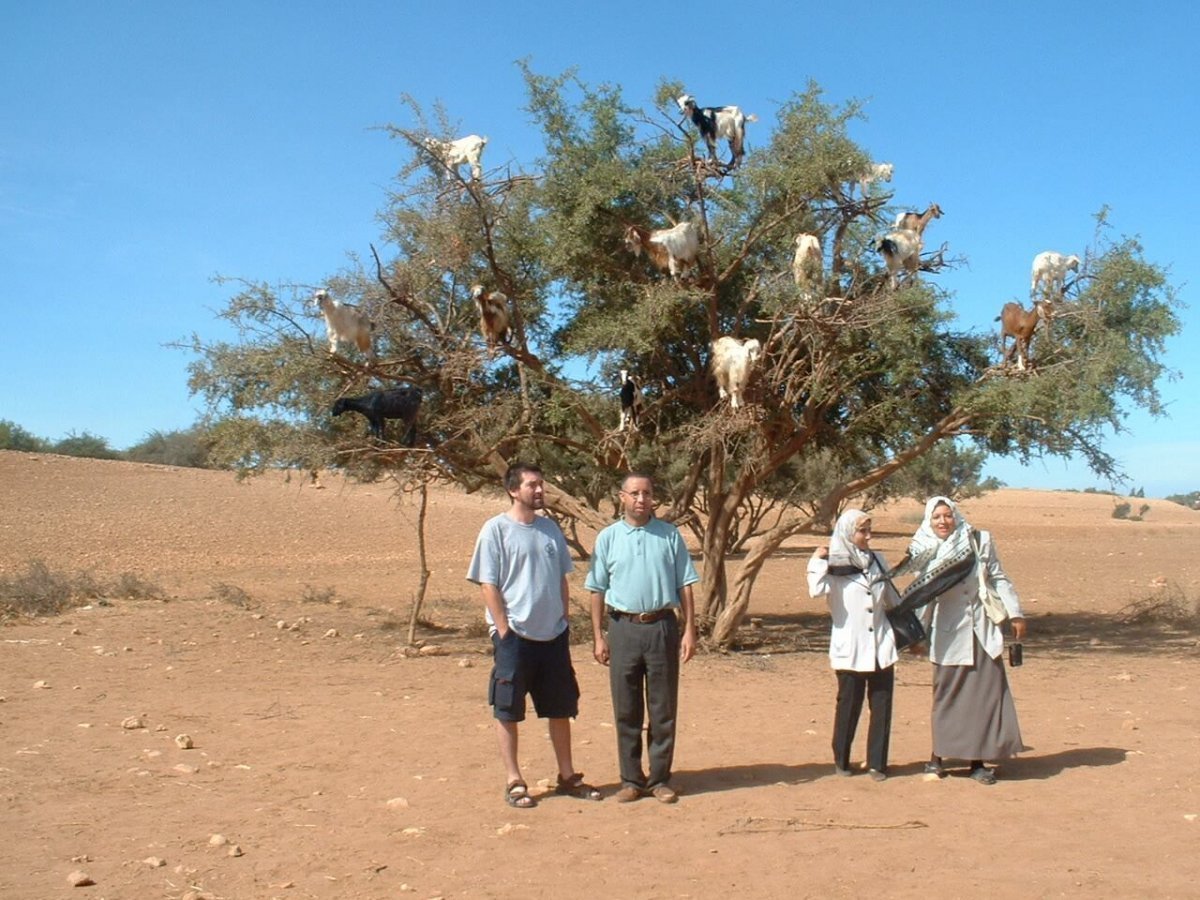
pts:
pixel 516 472
pixel 628 475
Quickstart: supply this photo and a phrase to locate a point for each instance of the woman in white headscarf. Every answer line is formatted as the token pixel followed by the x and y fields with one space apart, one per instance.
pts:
pixel 862 650
pixel 974 717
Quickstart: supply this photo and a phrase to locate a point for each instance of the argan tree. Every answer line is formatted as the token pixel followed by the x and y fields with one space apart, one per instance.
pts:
pixel 858 381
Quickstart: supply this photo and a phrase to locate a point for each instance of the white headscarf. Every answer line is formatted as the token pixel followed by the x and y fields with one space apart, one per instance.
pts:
pixel 842 551
pixel 927 550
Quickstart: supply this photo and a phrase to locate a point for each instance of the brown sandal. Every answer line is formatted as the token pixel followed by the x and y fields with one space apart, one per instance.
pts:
pixel 575 786
pixel 517 795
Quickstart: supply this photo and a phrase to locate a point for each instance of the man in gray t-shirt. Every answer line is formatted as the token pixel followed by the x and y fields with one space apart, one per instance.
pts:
pixel 520 563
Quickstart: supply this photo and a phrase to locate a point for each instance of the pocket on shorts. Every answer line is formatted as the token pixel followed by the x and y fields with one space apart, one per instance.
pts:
pixel 505 653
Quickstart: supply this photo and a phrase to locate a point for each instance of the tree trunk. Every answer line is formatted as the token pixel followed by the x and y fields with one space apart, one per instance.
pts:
pixel 422 503
pixel 743 586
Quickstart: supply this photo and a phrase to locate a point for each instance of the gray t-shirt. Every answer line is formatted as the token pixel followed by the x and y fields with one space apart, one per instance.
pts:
pixel 527 563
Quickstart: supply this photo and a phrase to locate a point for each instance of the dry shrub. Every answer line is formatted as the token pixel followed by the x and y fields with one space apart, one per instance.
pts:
pixel 231 594
pixel 42 591
pixel 1170 605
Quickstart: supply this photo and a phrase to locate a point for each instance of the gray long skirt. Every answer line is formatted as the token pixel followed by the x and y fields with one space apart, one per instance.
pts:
pixel 974 716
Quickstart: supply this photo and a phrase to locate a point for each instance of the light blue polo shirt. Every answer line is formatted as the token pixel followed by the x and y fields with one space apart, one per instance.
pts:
pixel 640 570
pixel 527 563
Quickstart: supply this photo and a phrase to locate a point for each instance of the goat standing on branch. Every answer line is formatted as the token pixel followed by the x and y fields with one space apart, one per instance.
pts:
pixel 917 221
pixel 632 402
pixel 875 172
pixel 494 319
pixel 808 268
pixel 1050 270
pixel 452 154
pixel 394 403
pixel 344 323
pixel 732 365
pixel 1020 324
pixel 670 249
pixel 715 122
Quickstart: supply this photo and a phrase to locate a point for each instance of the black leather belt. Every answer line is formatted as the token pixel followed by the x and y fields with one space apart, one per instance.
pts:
pixel 642 618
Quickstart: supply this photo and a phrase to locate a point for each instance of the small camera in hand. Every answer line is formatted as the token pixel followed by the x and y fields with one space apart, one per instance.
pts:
pixel 1016 655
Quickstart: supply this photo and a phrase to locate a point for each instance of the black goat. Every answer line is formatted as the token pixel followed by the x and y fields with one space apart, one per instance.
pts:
pixel 377 406
pixel 632 401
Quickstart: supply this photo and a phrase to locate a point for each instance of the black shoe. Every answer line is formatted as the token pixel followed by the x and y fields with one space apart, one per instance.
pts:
pixel 983 775
pixel 877 775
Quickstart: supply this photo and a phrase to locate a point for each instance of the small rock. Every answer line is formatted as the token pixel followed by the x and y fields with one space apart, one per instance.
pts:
pixel 281 624
pixel 218 840
pixel 331 633
pixel 509 828
pixel 1191 817
pixel 184 741
pixel 153 754
pixel 413 831
pixel 155 862
pixel 1129 725
pixel 234 850
pixel 41 685
pixel 185 769
pixel 1123 676
pixel 84 858
pixel 76 631
pixel 83 724
pixel 398 803
pixel 430 650
pixel 160 727
pixel 465 664
pixel 79 878
pixel 132 723
pixel 1158 581
pixel 1095 642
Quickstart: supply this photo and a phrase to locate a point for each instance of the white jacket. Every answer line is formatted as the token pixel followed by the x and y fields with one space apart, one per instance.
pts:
pixel 861 635
pixel 957 616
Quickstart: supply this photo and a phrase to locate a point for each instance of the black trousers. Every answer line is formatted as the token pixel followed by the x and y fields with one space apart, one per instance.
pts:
pixel 876 687
pixel 643 670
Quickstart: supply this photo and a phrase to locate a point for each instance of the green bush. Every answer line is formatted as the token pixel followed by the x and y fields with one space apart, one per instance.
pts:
pixel 189 448
pixel 14 437
pixel 86 445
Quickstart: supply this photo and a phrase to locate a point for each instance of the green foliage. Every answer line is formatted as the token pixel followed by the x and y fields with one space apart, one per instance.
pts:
pixel 188 448
pixel 86 445
pixel 14 437
pixel 1191 500
pixel 862 391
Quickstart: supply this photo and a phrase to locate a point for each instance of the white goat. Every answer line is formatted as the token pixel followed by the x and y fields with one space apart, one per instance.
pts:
pixel 344 323
pixel 807 265
pixel 732 363
pixel 494 323
pixel 901 250
pixel 632 401
pixel 670 249
pixel 1050 270
pixel 453 154
pixel 716 122
pixel 875 172
pixel 1020 324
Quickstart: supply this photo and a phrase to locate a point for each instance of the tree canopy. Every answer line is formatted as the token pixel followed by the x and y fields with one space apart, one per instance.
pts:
pixel 863 388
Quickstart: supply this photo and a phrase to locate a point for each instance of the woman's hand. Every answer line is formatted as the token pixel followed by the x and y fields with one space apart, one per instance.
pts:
pixel 822 553
pixel 1018 629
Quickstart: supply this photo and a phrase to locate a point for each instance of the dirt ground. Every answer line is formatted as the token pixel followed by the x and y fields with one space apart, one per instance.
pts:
pixel 342 768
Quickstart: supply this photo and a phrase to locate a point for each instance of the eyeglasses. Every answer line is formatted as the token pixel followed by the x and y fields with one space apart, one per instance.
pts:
pixel 635 494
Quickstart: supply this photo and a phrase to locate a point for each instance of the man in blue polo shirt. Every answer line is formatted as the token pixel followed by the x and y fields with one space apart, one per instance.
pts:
pixel 641 574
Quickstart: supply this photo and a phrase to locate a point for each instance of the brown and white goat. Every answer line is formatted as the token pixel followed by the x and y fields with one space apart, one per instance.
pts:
pixel 875 172
pixel 670 249
pixel 632 401
pixel 344 323
pixel 917 221
pixel 494 320
pixel 1020 324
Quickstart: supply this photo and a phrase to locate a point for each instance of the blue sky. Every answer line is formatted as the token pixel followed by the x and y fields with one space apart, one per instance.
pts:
pixel 147 147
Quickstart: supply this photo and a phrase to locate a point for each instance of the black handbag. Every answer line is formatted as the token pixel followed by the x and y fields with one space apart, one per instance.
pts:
pixel 906 627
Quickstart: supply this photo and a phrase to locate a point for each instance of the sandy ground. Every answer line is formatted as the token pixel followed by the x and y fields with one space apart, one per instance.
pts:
pixel 343 768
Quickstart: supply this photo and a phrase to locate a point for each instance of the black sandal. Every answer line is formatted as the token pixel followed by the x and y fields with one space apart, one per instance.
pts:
pixel 517 795
pixel 575 786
